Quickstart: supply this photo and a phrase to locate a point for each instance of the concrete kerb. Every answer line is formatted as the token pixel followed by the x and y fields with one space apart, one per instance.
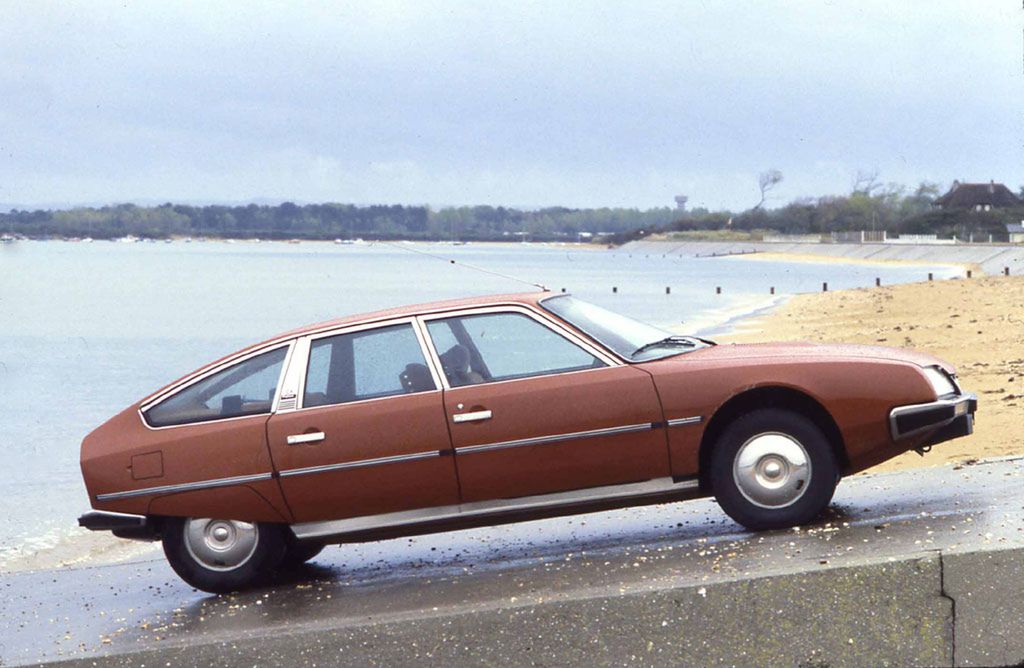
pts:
pixel 987 590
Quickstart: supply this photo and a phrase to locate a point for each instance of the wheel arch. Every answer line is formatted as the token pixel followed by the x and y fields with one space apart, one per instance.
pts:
pixel 787 398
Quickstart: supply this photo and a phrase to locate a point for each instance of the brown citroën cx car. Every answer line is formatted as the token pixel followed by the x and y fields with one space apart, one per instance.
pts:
pixel 489 410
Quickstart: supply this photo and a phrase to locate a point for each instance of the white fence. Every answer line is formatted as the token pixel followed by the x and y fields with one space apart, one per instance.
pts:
pixel 920 239
pixel 792 238
pixel 859 237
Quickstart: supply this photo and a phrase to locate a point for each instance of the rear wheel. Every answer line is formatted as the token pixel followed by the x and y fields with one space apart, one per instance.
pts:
pixel 220 556
pixel 773 468
pixel 296 553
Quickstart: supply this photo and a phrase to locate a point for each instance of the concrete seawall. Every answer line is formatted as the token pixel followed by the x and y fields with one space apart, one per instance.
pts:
pixel 991 258
pixel 936 610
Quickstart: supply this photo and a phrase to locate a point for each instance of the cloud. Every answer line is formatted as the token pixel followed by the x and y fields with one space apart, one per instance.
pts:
pixel 501 103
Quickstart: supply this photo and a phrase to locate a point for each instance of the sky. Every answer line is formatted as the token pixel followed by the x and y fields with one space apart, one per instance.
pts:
pixel 582 104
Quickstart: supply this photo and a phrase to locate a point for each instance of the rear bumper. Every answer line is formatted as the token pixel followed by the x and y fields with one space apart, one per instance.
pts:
pixel 123 525
pixel 948 417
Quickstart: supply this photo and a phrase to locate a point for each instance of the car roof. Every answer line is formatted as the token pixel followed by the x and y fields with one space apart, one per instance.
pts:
pixel 527 298
pixel 523 298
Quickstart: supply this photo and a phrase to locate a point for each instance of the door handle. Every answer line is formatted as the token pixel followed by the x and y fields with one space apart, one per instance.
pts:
pixel 299 439
pixel 473 416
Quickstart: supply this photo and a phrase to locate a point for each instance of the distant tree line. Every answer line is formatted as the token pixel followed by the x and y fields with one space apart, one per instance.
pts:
pixel 330 221
pixel 870 206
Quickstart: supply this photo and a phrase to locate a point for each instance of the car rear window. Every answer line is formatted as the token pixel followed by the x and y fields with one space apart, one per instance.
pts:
pixel 246 388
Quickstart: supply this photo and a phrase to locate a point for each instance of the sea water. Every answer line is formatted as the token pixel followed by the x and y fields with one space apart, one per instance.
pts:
pixel 88 328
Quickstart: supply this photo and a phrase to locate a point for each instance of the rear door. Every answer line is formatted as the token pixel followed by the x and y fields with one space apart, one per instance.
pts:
pixel 533 409
pixel 368 432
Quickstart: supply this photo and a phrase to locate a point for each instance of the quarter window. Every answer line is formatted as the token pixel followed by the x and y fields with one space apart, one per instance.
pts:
pixel 366 365
pixel 503 346
pixel 246 388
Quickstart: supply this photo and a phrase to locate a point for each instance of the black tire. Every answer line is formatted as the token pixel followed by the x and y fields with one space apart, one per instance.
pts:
pixel 296 553
pixel 746 493
pixel 259 562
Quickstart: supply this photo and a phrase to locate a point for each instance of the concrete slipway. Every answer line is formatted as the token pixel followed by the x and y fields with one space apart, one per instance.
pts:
pixel 915 568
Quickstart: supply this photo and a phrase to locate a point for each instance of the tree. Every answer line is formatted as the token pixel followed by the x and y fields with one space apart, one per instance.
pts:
pixel 766 181
pixel 865 182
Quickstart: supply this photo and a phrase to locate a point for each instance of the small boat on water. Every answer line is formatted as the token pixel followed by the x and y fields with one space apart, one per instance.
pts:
pixel 6 239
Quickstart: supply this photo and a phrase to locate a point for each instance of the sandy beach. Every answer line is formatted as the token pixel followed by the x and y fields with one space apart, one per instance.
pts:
pixel 976 324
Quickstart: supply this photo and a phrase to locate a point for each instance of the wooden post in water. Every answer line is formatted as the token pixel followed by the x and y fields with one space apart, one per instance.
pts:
pixel 878 282
pixel 668 290
pixel 930 277
pixel 771 290
pixel 824 287
pixel 968 273
pixel 615 290
pixel 718 290
pixel 1006 271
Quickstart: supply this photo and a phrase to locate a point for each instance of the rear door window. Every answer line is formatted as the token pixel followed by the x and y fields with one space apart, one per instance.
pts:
pixel 364 365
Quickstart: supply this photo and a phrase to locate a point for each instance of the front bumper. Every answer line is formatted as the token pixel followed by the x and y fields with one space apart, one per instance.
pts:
pixel 948 418
pixel 123 525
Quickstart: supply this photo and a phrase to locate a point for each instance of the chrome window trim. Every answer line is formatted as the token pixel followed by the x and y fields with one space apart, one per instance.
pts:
pixel 332 528
pixel 543 320
pixel 308 340
pixel 360 463
pixel 357 402
pixel 557 438
pixel 186 487
pixel 196 378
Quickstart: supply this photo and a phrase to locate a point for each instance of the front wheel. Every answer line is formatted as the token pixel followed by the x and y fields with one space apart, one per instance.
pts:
pixel 221 556
pixel 773 468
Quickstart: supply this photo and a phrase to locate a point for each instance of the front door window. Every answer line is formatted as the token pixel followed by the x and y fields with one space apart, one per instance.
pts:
pixel 503 346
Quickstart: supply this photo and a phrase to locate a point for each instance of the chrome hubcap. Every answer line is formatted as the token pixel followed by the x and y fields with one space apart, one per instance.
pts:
pixel 220 545
pixel 772 470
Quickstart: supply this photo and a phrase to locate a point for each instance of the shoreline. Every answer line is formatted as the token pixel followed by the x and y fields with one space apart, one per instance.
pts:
pixel 992 259
pixel 810 258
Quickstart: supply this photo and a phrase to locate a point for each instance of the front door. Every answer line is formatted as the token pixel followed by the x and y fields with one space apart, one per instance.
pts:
pixel 369 435
pixel 532 412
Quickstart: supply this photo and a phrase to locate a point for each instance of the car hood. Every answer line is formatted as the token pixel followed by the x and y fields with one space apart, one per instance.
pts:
pixel 817 351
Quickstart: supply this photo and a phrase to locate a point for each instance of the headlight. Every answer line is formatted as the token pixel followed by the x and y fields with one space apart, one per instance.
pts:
pixel 940 381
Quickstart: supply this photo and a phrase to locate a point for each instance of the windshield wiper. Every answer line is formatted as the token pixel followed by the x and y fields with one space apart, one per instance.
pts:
pixel 684 341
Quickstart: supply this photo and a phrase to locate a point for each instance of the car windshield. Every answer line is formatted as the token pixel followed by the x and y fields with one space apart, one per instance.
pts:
pixel 631 339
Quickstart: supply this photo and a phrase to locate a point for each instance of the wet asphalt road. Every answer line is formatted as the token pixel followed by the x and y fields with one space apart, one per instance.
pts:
pixel 125 608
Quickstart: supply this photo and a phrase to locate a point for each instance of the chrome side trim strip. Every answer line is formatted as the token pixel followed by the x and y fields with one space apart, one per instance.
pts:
pixel 360 463
pixel 330 528
pixel 555 438
pixel 186 487
pixel 679 422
